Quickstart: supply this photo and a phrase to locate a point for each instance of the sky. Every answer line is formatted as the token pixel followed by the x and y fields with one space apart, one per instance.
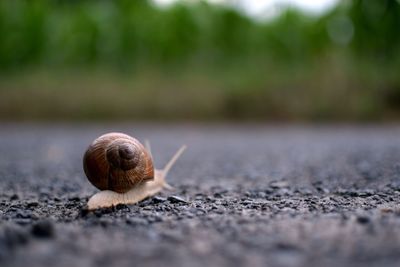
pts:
pixel 268 8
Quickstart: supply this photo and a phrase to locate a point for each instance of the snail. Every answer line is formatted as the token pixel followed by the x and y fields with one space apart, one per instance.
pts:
pixel 122 168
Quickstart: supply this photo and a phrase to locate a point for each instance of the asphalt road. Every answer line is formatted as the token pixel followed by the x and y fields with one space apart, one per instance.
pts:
pixel 246 195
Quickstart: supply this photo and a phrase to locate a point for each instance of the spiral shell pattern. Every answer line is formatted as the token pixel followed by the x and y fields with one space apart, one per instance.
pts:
pixel 117 162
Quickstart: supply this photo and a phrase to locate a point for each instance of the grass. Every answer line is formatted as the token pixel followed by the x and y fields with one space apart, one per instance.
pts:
pixel 335 92
pixel 129 60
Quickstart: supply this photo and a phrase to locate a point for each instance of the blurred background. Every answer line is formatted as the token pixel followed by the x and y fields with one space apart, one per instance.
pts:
pixel 123 60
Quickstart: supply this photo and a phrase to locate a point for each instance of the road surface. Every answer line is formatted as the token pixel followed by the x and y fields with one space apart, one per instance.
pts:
pixel 245 195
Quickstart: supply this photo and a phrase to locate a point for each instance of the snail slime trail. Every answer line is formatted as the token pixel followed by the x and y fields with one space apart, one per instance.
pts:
pixel 122 168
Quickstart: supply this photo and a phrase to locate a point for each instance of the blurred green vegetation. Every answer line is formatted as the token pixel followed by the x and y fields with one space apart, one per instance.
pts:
pixel 123 59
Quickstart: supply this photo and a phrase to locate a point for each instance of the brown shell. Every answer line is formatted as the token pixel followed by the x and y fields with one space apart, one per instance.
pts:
pixel 117 162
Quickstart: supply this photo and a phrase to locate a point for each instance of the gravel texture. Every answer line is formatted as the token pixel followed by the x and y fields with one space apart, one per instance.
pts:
pixel 245 195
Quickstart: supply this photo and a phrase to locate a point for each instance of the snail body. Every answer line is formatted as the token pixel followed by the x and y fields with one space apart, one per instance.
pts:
pixel 123 169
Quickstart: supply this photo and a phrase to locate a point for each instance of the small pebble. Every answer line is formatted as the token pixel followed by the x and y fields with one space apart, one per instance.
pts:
pixel 218 195
pixel 176 199
pixel 122 207
pixel 33 204
pixel 14 197
pixel 158 199
pixel 43 229
pixel 279 184
pixel 363 219
pixel 76 199
pixel 23 214
pixel 84 211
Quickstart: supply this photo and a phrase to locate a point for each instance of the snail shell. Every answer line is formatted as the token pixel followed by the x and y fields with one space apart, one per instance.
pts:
pixel 122 169
pixel 117 162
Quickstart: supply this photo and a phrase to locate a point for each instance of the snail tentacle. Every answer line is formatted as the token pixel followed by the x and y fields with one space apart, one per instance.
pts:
pixel 172 161
pixel 162 174
pixel 148 147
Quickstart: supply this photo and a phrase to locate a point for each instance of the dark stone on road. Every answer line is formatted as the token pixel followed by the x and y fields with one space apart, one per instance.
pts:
pixel 362 219
pixel 176 199
pixel 14 197
pixel 157 199
pixel 43 229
